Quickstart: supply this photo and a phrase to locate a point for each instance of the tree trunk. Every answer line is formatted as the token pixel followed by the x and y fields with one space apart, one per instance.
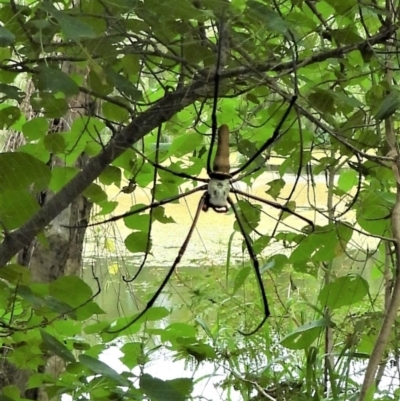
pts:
pixel 60 255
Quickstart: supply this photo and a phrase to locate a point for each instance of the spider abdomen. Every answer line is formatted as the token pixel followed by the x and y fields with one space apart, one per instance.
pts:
pixel 218 191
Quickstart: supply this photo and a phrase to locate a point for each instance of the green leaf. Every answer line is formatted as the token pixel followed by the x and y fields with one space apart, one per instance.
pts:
pixel 249 215
pixel 205 327
pixel 374 210
pixel 95 193
pixel 136 242
pixel 115 329
pixel 125 86
pixel 102 369
pixel 347 180
pixel 389 105
pixel 160 390
pixel 56 347
pixel 58 306
pixel 60 176
pixel 159 215
pixel 95 328
pixel 72 27
pixel 16 274
pixel 241 278
pixel 111 175
pixel 322 100
pixel 9 116
pixel 54 80
pixel 54 142
pixel 346 36
pixel 88 310
pixel 179 330
pixel 11 92
pixel 305 335
pixel 16 207
pixel 35 128
pixel 344 291
pixel 275 187
pixel 21 170
pixel 63 287
pixel 6 37
pixel 185 144
pixel 133 352
pixel 49 105
pixel 271 20
pixel 114 112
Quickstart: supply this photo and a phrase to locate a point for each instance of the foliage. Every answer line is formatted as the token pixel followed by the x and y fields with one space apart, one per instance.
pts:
pixel 149 66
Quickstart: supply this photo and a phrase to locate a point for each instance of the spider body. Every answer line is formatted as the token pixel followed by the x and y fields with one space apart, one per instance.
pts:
pixel 220 178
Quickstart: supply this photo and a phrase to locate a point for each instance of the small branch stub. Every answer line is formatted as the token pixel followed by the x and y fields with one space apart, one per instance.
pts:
pixel 221 161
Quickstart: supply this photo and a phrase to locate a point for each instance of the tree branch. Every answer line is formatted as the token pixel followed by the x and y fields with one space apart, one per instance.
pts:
pixel 162 111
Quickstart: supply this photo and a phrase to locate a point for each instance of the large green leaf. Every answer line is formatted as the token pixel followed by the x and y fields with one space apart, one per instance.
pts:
pixel 389 105
pixel 305 335
pixel 55 80
pixel 16 274
pixel 21 170
pixel 56 347
pixel 344 291
pixel 185 144
pixel 169 390
pixel 100 368
pixel 35 128
pixel 16 207
pixel 72 27
pixel 71 290
pixel 137 242
pixel 6 37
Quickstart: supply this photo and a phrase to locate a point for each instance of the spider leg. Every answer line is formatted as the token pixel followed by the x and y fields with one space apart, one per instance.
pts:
pixel 256 267
pixel 276 205
pixel 142 209
pixel 172 268
pixel 271 140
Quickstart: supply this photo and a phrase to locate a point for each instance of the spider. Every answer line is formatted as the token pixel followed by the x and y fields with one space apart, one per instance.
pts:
pixel 216 195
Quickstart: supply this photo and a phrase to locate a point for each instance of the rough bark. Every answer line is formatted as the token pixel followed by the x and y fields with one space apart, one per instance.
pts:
pixel 61 255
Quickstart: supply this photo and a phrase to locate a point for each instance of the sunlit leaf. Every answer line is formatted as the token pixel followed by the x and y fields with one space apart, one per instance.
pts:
pixel 184 144
pixel 241 278
pixel 72 27
pixel 6 37
pixel 113 268
pixel 347 180
pixel 63 287
pixel 100 368
pixel 322 100
pixel 16 274
pixel 20 170
pixel 137 242
pixel 305 335
pixel 109 244
pixel 55 80
pixel 56 347
pixel 389 105
pixel 344 291
pixel 160 390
